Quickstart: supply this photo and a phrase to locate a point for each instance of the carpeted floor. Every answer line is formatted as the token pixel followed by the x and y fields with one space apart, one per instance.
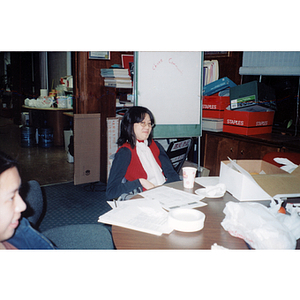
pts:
pixel 68 204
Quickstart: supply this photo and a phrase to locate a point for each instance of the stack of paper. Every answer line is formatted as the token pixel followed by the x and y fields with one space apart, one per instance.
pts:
pixel 148 214
pixel 142 215
pixel 171 198
pixel 118 78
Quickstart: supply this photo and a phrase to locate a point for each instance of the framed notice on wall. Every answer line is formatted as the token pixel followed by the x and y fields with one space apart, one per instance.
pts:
pixel 99 55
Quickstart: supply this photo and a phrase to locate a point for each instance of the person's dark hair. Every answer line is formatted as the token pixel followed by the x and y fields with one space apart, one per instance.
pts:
pixel 135 114
pixel 6 162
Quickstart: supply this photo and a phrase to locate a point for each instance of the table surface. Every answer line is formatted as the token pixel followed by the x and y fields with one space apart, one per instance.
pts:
pixel 212 232
pixel 47 108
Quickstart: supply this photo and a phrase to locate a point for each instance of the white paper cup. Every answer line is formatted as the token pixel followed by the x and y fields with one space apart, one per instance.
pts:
pixel 188 174
pixel 43 92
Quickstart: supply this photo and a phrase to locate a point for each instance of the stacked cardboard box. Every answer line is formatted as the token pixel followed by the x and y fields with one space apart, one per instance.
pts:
pixel 251 121
pixel 246 115
pixel 216 99
pixel 214 106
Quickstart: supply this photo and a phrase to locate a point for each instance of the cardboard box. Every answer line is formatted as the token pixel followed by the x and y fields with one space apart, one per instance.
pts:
pixel 217 86
pixel 248 122
pixel 253 180
pixel 86 148
pixel 214 106
pixel 251 93
pixel 215 125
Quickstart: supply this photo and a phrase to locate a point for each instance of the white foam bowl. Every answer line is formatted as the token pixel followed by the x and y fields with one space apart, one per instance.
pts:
pixel 186 220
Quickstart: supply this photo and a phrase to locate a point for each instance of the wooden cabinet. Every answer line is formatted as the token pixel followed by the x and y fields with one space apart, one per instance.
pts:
pixel 218 146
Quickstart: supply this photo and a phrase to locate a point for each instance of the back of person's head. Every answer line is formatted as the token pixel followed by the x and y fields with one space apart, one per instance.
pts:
pixel 135 114
pixel 6 162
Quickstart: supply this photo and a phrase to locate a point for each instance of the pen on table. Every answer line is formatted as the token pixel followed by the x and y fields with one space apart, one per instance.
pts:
pixel 178 206
pixel 116 201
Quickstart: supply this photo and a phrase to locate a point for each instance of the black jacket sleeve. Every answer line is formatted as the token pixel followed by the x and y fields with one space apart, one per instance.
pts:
pixel 116 185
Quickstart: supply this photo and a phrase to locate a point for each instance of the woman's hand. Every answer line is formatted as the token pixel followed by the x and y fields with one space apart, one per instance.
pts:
pixel 146 184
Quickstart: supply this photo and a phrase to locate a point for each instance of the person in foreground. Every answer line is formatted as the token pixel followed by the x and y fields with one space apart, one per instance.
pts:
pixel 140 162
pixel 11 203
pixel 16 232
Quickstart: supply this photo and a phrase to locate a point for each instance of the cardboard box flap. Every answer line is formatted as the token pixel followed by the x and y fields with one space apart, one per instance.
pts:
pixel 241 184
pixel 257 166
pixel 279 183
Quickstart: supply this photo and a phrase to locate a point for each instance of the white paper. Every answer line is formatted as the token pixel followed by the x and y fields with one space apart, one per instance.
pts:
pixel 171 198
pixel 289 166
pixel 212 191
pixel 140 214
pixel 237 167
pixel 207 181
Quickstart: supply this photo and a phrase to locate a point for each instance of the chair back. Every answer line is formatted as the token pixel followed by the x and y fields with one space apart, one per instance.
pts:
pixel 31 193
pixel 178 151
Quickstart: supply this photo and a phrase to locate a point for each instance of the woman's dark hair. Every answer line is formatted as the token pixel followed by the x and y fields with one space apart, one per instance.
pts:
pixel 135 114
pixel 6 162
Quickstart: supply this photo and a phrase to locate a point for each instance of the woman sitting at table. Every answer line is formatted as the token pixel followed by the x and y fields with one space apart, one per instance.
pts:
pixel 140 163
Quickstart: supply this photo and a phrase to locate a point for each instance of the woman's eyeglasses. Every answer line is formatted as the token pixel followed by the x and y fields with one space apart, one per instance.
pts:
pixel 144 124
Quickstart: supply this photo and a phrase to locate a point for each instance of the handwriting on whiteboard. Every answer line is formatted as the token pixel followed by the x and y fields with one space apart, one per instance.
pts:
pixel 170 61
pixel 175 65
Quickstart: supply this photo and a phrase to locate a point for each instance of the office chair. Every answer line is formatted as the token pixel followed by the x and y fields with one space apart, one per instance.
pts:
pixel 78 236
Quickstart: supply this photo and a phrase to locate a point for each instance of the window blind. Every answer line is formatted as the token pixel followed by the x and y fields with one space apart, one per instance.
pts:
pixel 277 63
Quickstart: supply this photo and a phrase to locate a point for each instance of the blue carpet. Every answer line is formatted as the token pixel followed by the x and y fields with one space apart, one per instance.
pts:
pixel 68 204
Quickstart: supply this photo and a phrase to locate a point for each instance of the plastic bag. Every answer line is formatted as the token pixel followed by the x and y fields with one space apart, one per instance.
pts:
pixel 257 225
pixel 290 220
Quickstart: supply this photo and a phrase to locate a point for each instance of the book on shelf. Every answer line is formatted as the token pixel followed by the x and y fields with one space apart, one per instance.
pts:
pixel 118 85
pixel 115 73
pixel 210 71
pixel 121 103
pixel 118 80
pixel 117 76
